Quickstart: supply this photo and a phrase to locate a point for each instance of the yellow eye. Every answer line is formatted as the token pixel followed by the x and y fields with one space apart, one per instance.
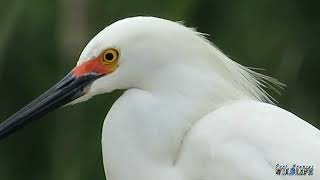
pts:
pixel 110 56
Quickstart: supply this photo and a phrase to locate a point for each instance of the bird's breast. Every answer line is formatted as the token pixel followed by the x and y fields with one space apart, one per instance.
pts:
pixel 140 131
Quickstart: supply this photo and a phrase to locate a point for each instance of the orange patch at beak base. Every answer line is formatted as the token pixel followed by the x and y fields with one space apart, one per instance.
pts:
pixel 93 66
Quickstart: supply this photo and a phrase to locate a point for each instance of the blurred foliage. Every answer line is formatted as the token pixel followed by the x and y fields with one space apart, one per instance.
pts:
pixel 40 41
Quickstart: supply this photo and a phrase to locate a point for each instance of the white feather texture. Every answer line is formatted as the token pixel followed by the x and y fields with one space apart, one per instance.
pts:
pixel 251 83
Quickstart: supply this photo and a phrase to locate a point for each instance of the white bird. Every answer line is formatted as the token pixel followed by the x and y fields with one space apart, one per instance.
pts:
pixel 188 112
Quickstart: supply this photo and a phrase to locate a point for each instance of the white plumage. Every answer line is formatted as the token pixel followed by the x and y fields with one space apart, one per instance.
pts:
pixel 190 112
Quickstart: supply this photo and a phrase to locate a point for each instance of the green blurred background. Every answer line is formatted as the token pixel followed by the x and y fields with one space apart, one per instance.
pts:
pixel 40 41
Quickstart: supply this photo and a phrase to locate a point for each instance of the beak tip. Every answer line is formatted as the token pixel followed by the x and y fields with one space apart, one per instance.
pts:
pixel 70 88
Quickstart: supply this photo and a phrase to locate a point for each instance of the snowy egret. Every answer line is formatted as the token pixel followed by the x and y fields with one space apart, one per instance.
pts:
pixel 188 112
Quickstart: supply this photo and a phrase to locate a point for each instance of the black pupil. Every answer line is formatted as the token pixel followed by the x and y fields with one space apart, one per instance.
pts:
pixel 109 56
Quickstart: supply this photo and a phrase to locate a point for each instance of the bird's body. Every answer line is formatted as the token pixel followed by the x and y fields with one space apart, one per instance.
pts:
pixel 188 112
pixel 242 140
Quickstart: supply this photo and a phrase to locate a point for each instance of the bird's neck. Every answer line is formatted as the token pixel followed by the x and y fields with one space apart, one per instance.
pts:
pixel 201 86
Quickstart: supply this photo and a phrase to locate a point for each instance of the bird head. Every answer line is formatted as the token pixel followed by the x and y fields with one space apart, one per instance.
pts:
pixel 121 56
pixel 128 53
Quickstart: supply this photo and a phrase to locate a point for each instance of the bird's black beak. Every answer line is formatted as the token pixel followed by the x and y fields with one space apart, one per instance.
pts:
pixel 68 89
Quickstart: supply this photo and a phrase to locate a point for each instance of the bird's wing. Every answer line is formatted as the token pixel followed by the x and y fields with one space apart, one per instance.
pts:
pixel 247 140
